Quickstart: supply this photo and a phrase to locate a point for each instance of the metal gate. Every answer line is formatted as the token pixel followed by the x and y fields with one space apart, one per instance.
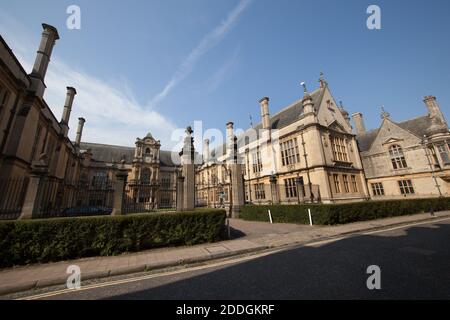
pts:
pixel 141 197
pixel 12 196
pixel 56 198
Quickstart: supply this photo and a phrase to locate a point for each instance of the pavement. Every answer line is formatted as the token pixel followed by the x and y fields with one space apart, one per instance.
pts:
pixel 250 238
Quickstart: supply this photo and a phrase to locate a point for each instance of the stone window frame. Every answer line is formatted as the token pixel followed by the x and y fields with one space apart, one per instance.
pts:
pixel 354 183
pixel 346 183
pixel 377 189
pixel 444 153
pixel 256 161
pixel 397 157
pixel 339 148
pixel 260 193
pixel 336 181
pixel 290 153
pixel 290 188
pixel 406 187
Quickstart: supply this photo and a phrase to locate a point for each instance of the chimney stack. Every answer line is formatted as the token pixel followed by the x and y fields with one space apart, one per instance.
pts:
pixel 359 123
pixel 230 139
pixel 434 112
pixel 206 150
pixel 48 39
pixel 81 122
pixel 265 117
pixel 71 92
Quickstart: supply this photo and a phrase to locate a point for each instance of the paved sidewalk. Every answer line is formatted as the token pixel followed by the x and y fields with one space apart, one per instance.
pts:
pixel 255 236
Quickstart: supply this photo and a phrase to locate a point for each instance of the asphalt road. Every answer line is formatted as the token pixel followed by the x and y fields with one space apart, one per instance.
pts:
pixel 414 263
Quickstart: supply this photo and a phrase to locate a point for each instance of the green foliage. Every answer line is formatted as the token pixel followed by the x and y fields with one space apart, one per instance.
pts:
pixel 39 241
pixel 332 214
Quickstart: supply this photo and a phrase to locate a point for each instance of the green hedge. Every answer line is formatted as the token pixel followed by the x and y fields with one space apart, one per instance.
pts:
pixel 39 241
pixel 332 214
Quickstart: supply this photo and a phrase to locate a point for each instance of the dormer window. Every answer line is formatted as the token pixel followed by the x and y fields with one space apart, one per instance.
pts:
pixel 397 157
pixel 442 148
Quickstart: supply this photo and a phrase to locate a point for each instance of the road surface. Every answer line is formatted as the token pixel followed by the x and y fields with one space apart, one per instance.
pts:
pixel 414 261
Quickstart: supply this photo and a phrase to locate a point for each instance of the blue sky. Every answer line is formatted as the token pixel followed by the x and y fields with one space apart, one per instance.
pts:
pixel 155 66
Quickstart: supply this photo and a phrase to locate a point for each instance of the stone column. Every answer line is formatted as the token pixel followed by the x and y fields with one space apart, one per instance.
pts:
pixel 237 189
pixel 274 189
pixel 119 189
pixel 180 193
pixel 235 167
pixel 39 170
pixel 187 160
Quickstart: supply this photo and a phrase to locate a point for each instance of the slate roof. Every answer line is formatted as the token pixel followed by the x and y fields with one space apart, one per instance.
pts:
pixel 111 153
pixel 418 126
pixel 279 120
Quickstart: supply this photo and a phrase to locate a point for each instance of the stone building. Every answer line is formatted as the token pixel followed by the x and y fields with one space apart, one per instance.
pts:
pixel 151 171
pixel 32 140
pixel 304 153
pixel 408 158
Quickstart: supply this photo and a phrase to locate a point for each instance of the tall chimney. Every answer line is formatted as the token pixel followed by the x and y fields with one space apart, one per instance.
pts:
pixel 81 122
pixel 71 92
pixel 48 39
pixel 359 123
pixel 264 103
pixel 434 112
pixel 205 150
pixel 230 139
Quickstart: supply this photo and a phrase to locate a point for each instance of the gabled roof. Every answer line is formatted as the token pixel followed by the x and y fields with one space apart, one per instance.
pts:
pixel 418 126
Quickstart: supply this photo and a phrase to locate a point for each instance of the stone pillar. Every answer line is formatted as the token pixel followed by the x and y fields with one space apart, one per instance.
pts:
pixel 119 189
pixel 237 189
pixel 39 170
pixel 188 169
pixel 274 189
pixel 180 193
pixel 235 167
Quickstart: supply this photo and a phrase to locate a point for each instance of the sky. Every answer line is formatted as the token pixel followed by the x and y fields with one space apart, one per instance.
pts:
pixel 158 66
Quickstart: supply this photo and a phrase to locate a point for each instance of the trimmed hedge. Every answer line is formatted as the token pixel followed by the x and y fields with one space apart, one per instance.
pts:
pixel 332 214
pixel 40 241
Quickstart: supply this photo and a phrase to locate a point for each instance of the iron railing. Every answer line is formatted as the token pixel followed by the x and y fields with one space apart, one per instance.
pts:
pixel 12 196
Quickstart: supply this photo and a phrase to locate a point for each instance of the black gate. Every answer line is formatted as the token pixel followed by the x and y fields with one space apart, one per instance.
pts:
pixel 12 196
pixel 56 198
pixel 141 197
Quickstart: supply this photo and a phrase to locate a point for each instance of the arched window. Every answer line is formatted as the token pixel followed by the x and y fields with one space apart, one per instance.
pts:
pixel 397 157
pixel 147 151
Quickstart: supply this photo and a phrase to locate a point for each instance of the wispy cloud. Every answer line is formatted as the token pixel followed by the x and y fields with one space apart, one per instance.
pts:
pixel 208 42
pixel 113 114
pixel 223 72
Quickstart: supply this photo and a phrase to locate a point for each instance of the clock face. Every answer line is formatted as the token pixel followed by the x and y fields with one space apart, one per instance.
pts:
pixel 147 159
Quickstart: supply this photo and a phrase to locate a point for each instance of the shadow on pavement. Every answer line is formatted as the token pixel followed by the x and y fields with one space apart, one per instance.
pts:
pixel 415 263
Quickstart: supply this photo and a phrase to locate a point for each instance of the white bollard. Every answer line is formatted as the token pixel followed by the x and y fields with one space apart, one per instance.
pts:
pixel 310 217
pixel 270 217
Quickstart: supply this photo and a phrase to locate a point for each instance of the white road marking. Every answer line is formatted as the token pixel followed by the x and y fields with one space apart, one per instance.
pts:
pixel 217 264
